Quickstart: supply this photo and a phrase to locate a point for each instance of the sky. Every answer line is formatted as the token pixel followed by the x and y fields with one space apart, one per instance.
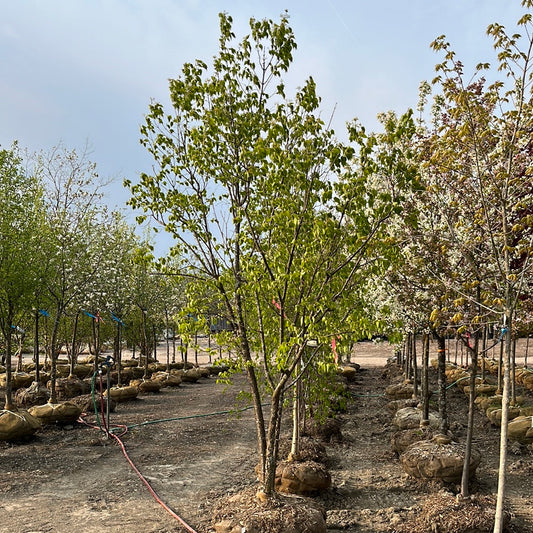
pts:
pixel 83 72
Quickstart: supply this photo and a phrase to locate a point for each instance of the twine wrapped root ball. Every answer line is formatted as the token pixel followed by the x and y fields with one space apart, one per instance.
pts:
pixel 35 394
pixel 18 380
pixel 56 413
pixel 438 458
pixel 16 425
pixel 494 414
pixel 401 440
pixel 166 379
pixel 521 429
pixel 67 388
pixel 400 391
pixel 146 385
pixel 190 376
pixel 411 417
pixel 87 403
pixel 123 394
pixel 306 477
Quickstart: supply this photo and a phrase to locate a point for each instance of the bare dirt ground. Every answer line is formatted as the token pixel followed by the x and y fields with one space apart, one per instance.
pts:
pixel 75 479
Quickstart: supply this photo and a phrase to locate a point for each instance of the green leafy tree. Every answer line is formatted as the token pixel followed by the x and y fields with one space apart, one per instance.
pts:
pixel 20 248
pixel 265 207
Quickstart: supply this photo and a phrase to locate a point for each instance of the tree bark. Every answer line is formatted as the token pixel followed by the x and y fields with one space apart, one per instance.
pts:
pixel 465 479
pixel 441 351
pixel 415 367
pixel 53 356
pixel 270 456
pixel 9 371
pixel 295 444
pixel 499 515
pixel 36 346
pixel 425 380
pixel 73 358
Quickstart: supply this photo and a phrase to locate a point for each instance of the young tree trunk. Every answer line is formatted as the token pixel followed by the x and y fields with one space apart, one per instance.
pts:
pixel 53 356
pixel 95 341
pixel 145 343
pixel 154 339
pixel 415 366
pixel 9 385
pixel 465 479
pixel 407 366
pixel 500 369
pixel 173 345
pixel 441 351
pixel 513 371
pixel 527 349
pixel 73 358
pixel 36 346
pixel 118 354
pixel 295 444
pixel 425 380
pixel 270 456
pixel 166 340
pixel 499 515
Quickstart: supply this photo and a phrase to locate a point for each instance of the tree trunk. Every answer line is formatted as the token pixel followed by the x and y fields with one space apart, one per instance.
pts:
pixel 154 338
pixel 513 371
pixel 415 367
pixel 95 341
pixel 173 345
pixel 53 356
pixel 118 354
pixel 465 491
pixel 500 368
pixel 441 351
pixel 425 380
pixel 407 366
pixel 196 347
pixel 166 339
pixel 36 346
pixel 73 358
pixel 499 515
pixel 9 385
pixel 295 445
pixel 270 458
pixel 145 343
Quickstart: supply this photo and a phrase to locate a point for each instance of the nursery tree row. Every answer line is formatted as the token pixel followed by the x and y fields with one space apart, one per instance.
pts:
pixel 71 270
pixel 309 241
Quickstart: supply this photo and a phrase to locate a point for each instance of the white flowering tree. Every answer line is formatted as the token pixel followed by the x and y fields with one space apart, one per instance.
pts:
pixel 74 224
pixel 479 152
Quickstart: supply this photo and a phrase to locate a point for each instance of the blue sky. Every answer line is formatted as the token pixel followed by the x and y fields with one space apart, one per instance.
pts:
pixel 84 71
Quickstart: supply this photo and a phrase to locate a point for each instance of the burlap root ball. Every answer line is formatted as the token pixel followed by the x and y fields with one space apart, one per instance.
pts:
pixel 56 413
pixel 123 394
pixel 439 458
pixel 17 424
